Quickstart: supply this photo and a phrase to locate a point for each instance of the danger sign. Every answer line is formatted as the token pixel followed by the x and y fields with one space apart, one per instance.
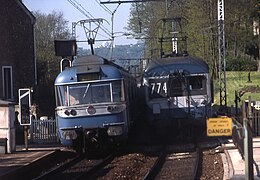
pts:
pixel 221 126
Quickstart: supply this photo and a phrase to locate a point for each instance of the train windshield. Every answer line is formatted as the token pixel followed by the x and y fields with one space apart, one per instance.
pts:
pixel 177 86
pixel 89 93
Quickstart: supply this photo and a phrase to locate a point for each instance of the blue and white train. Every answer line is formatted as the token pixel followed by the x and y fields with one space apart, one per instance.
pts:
pixel 94 98
pixel 178 93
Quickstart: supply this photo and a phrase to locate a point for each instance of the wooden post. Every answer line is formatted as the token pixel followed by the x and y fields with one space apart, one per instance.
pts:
pixel 26 137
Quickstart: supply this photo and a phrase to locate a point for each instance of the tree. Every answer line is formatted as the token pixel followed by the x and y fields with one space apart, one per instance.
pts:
pixel 202 27
pixel 48 28
pixel 145 23
pixel 202 31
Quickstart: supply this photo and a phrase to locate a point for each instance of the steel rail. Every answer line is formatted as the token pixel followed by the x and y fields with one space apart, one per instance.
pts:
pixel 195 173
pixel 157 166
pixel 60 169
pixel 95 168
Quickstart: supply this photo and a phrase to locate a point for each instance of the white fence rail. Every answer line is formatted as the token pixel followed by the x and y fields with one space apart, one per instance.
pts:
pixel 43 131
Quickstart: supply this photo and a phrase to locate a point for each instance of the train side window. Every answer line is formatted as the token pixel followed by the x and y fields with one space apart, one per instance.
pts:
pixel 122 91
pixel 195 82
pixel 197 85
pixel 61 96
pixel 117 91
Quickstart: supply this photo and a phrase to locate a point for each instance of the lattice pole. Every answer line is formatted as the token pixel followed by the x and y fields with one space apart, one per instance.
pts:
pixel 222 58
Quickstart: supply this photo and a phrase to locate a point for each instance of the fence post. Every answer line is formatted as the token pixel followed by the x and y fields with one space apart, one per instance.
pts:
pixel 248 148
pixel 249 110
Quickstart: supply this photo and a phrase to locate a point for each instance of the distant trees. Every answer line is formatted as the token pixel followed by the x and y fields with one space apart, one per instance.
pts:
pixel 200 24
pixel 48 28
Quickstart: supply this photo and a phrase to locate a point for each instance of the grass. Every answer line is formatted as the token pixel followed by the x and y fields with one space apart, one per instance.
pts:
pixel 238 80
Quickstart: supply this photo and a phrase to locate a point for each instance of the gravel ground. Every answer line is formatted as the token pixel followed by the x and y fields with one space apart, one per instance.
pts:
pixel 129 166
pixel 211 166
pixel 136 165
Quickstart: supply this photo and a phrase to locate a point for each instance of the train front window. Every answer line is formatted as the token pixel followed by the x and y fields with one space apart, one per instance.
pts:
pixel 88 93
pixel 177 86
pixel 197 85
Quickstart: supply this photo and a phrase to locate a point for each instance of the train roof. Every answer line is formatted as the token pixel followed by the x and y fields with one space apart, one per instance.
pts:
pixel 169 65
pixel 91 64
pixel 89 60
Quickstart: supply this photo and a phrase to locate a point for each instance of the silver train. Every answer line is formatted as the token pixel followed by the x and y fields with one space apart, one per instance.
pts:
pixel 94 98
pixel 178 93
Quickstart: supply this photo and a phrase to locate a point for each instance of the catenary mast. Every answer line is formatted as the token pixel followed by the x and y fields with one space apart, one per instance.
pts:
pixel 222 58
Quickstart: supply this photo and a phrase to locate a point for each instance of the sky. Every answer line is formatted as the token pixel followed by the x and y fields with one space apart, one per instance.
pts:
pixel 94 10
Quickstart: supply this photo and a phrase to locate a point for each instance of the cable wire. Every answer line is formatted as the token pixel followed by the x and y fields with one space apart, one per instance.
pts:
pixel 80 8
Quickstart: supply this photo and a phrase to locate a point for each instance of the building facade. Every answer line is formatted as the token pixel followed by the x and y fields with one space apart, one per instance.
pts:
pixel 17 51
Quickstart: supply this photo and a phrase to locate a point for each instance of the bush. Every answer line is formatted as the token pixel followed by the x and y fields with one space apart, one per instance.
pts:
pixel 241 64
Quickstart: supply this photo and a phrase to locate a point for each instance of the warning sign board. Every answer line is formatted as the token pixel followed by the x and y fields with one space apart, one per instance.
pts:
pixel 220 126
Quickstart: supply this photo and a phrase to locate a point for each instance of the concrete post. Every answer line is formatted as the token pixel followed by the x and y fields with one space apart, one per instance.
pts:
pixel 248 146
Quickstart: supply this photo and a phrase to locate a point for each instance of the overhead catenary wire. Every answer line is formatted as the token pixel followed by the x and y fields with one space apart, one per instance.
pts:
pixel 81 9
pixel 112 13
pixel 103 6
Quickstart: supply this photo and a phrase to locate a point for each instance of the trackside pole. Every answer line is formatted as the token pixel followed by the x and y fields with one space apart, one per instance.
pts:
pixel 26 137
pixel 248 144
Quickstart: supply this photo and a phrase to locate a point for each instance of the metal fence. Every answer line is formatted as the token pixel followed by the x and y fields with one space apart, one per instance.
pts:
pixel 256 120
pixel 43 131
pixel 238 136
pixel 252 113
pixel 243 134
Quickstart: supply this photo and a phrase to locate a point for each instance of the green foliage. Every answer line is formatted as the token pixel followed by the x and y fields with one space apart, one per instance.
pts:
pixel 123 55
pixel 201 28
pixel 236 81
pixel 241 64
pixel 48 28
pixel 146 22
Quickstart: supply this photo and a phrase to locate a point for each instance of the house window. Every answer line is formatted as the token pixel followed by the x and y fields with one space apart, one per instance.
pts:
pixel 7 80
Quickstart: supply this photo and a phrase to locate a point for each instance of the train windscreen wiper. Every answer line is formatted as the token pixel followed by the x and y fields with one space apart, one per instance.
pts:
pixel 85 93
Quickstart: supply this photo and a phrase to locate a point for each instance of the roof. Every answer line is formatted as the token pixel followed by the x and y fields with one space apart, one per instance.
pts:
pixel 165 66
pixel 88 65
pixel 89 60
pixel 27 11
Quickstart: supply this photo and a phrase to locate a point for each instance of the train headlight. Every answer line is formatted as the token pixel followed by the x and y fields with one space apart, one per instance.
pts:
pixel 73 112
pixel 115 130
pixel 67 112
pixel 113 109
pixel 91 110
pixel 69 134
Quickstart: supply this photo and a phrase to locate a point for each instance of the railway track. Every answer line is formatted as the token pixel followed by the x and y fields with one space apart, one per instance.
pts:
pixel 77 168
pixel 149 162
pixel 155 163
pixel 175 165
pixel 182 165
